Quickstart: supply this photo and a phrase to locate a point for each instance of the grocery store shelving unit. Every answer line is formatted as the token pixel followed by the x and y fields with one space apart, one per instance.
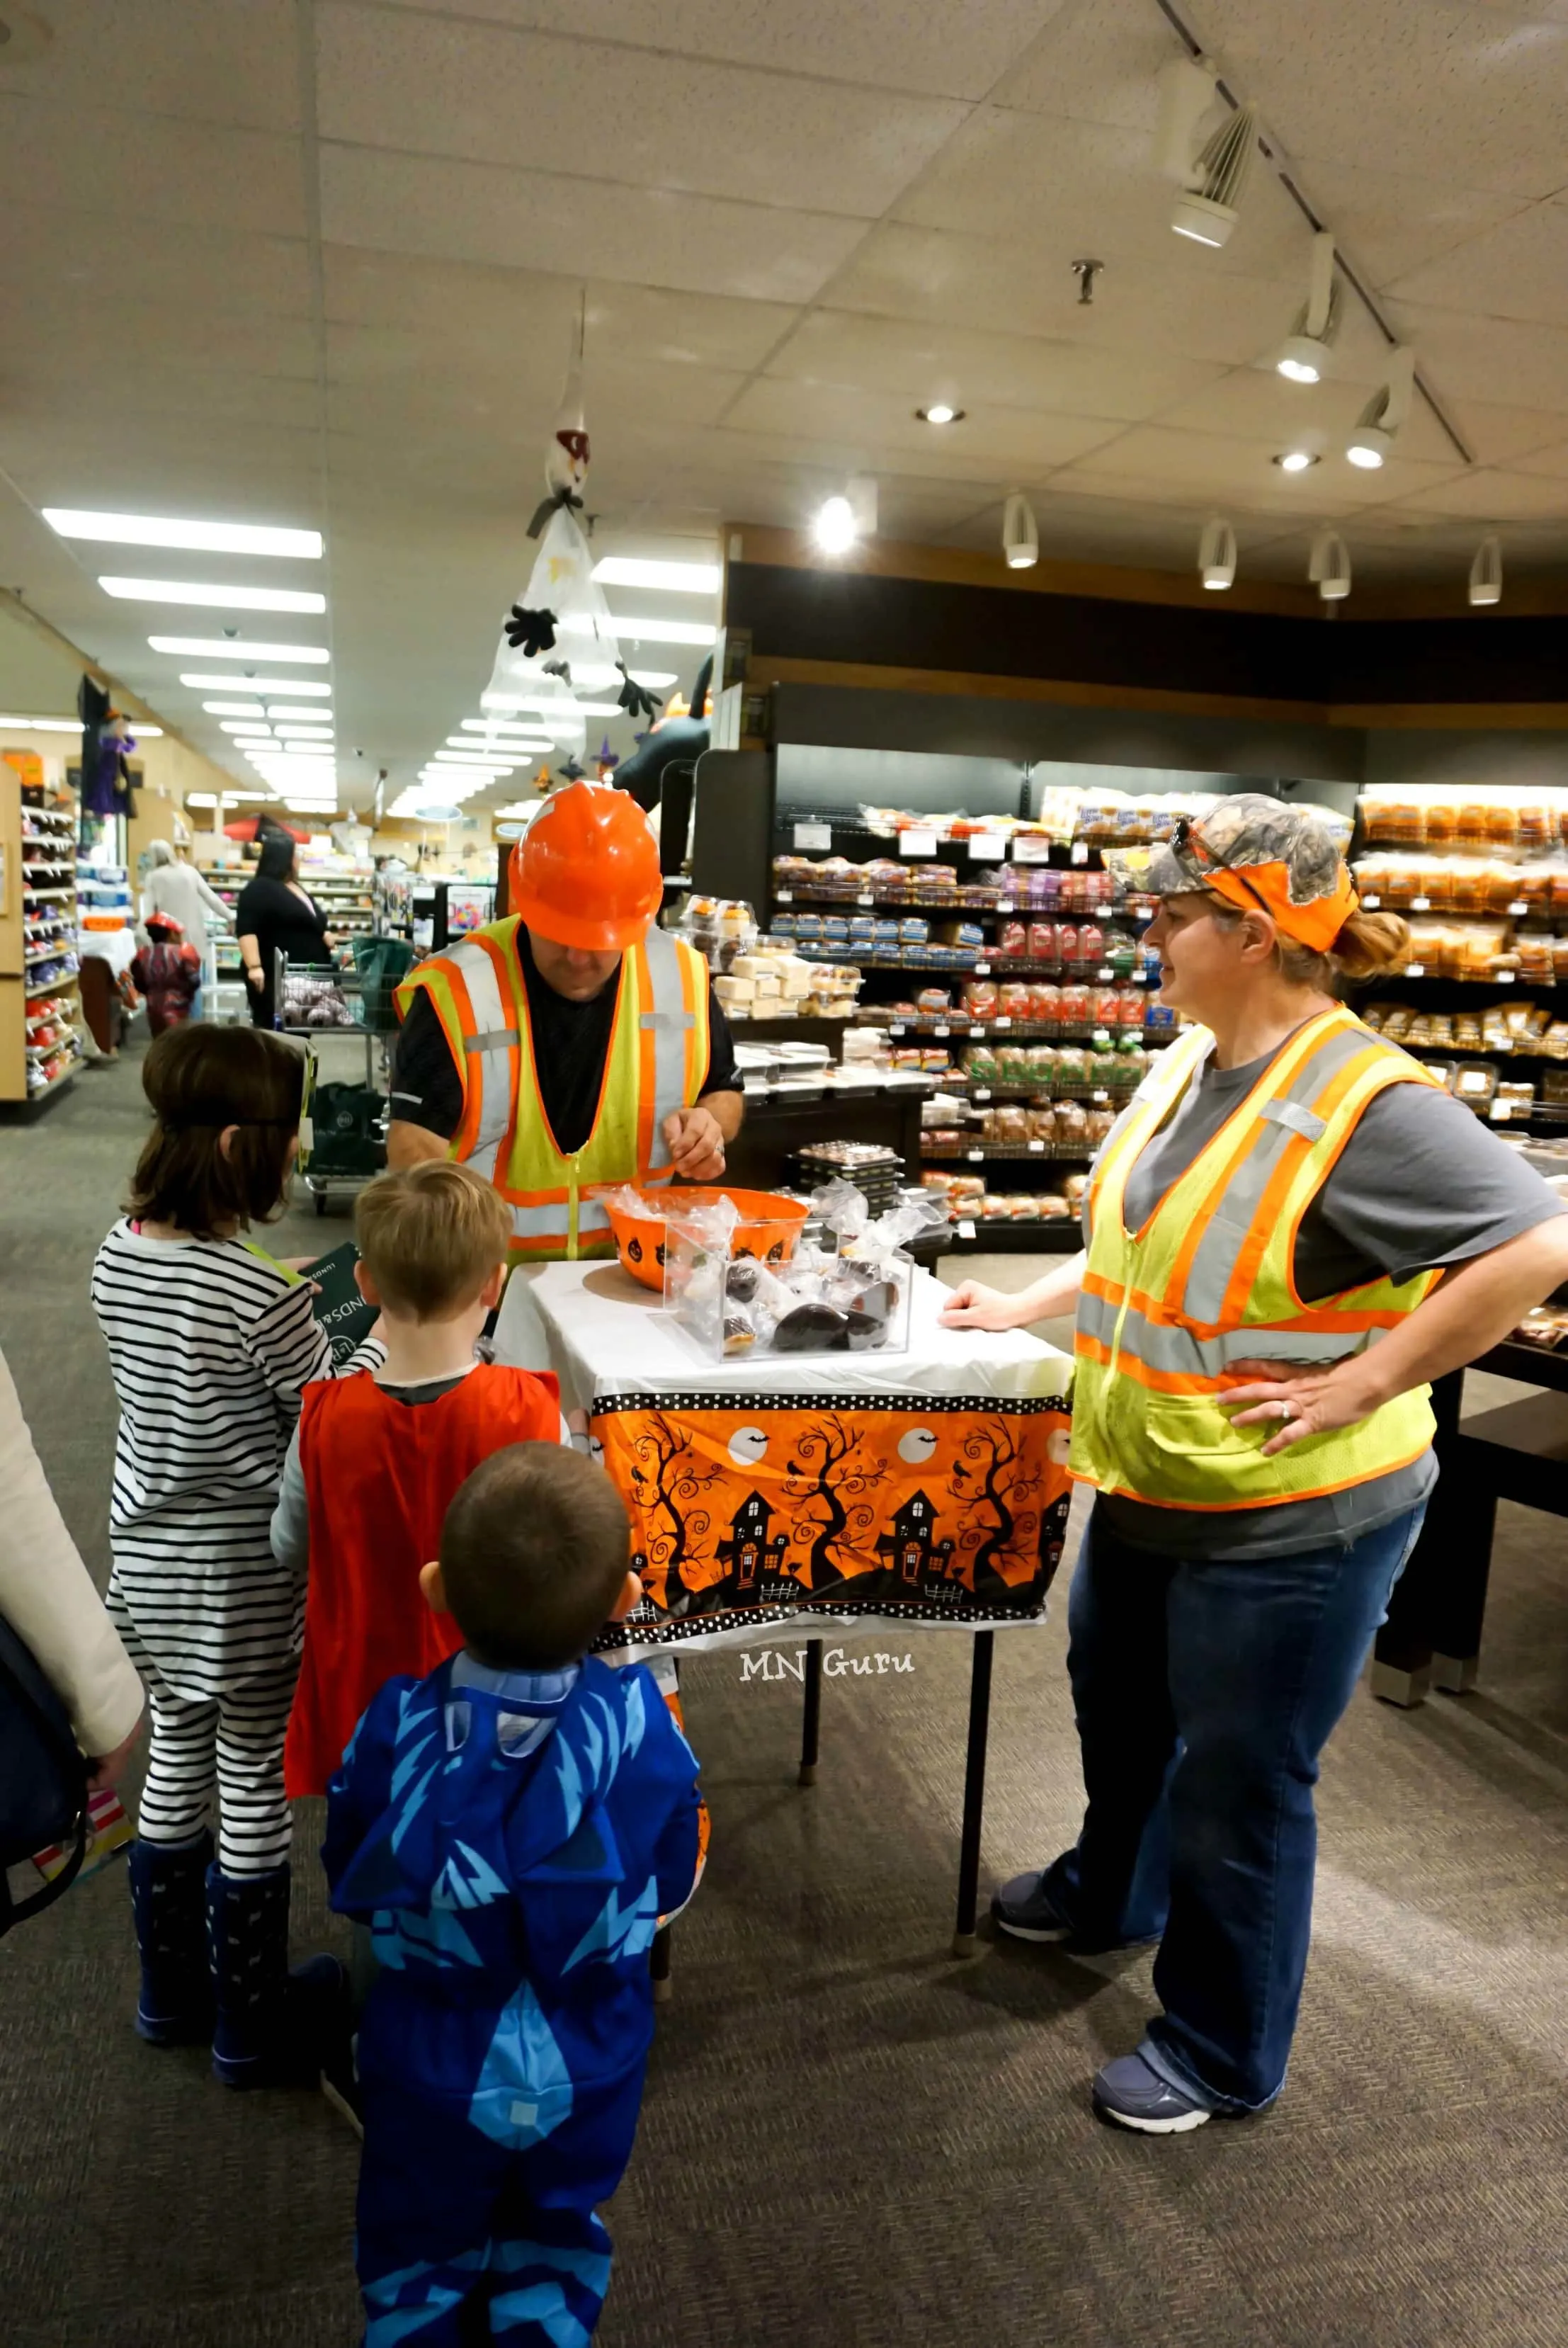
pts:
pixel 344 893
pixel 38 945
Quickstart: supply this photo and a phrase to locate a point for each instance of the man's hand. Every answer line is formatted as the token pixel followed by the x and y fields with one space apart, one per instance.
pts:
pixel 1299 1402
pixel 695 1139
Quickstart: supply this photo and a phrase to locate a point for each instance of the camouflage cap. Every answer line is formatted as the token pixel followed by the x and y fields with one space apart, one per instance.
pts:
pixel 1241 832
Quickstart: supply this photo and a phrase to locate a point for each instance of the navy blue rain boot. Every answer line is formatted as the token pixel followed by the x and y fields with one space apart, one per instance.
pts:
pixel 273 2027
pixel 168 1900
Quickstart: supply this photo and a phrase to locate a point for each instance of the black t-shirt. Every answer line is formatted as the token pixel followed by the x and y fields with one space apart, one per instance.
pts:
pixel 570 1044
pixel 269 911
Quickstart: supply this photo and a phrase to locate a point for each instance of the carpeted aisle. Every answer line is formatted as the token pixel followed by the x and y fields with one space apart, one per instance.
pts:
pixel 849 2139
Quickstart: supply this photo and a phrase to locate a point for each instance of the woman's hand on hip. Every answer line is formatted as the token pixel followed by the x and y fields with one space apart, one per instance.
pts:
pixel 696 1142
pixel 1299 1402
pixel 972 1305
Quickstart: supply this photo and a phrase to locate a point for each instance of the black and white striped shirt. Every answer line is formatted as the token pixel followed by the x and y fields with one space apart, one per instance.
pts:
pixel 210 1344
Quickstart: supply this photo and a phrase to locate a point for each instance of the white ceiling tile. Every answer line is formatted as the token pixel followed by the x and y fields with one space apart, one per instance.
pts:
pixel 1517 270
pixel 1068 188
pixel 435 86
pixel 1486 358
pixel 1492 495
pixel 240 66
pixel 956 51
pixel 1505 435
pixel 1212 465
pixel 920 362
pixel 1389 222
pixel 1552 460
pixel 1346 78
pixel 1097 60
pixel 1260 406
pixel 870 430
pixel 578 228
pixel 78 158
pixel 49 257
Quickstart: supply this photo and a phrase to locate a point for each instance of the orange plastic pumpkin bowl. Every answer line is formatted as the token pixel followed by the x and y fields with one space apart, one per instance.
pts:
pixel 770 1227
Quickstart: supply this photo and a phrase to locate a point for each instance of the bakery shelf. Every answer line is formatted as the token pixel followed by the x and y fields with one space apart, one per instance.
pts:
pixel 1004 1153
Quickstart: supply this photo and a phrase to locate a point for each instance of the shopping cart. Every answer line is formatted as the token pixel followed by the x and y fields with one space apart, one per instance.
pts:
pixel 343 1127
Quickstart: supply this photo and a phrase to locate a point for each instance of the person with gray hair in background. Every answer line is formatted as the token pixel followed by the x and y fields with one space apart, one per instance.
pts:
pixel 174 887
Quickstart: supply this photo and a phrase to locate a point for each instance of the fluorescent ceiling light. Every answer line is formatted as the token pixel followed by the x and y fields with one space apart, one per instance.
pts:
pixel 225 648
pixel 206 537
pixel 221 599
pixel 473 754
pixel 248 729
pixel 46 724
pixel 563 714
pixel 283 709
pixel 198 678
pixel 503 739
pixel 673 578
pixel 233 709
pixel 291 730
pixel 645 630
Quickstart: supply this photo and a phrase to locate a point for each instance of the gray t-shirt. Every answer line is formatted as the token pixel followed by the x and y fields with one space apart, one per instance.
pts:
pixel 1420 1183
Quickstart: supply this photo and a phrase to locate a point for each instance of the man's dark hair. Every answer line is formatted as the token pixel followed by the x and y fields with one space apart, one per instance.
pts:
pixel 199 1079
pixel 533 1556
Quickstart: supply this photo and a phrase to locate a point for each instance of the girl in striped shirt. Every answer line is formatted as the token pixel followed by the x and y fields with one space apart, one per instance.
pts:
pixel 211 1341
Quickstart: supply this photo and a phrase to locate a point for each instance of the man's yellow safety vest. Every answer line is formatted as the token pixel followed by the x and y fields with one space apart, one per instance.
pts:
pixel 1165 1311
pixel 656 1061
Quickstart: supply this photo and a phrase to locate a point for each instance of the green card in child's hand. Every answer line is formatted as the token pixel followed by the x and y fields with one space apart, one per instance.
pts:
pixel 339 1307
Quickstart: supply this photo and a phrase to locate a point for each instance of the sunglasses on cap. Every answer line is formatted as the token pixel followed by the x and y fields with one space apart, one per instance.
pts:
pixel 1185 838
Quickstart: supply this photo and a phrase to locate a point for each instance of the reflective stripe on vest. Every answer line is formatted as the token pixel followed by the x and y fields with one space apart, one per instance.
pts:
pixel 1207 1282
pixel 656 1062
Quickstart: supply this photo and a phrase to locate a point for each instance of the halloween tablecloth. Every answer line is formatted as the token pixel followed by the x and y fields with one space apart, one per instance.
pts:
pixel 929 1486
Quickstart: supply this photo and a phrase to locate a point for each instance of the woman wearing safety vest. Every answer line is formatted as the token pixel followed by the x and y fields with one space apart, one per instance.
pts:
pixel 1291 1228
pixel 573 1045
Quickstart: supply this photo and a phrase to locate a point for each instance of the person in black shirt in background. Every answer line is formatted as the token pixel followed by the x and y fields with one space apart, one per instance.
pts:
pixel 275 911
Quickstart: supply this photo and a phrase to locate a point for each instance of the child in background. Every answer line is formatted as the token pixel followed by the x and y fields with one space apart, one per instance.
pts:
pixel 376 1459
pixel 167 973
pixel 212 1343
pixel 513 1827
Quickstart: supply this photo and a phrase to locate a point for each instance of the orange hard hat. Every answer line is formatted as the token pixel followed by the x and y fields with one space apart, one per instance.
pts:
pixel 586 872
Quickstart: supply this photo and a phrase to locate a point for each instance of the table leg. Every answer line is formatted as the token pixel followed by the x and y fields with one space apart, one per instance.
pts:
pixel 811 1719
pixel 973 1793
pixel 659 1966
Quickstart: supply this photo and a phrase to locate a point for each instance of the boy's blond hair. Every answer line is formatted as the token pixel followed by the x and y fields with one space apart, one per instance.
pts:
pixel 431 1236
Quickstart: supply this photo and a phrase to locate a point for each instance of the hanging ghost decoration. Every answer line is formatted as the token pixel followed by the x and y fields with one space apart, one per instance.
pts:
pixel 558 639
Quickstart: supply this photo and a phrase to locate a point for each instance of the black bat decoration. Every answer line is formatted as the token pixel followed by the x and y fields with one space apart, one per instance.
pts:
pixel 570 772
pixel 633 698
pixel 562 669
pixel 557 500
pixel 534 631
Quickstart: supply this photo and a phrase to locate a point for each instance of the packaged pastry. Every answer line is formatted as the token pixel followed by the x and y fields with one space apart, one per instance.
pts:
pixel 912 931
pixel 1075 1186
pixel 1024 1207
pixel 1098 1122
pixel 980 1063
pixel 1042 1124
pixel 1072 1125
pixel 1014 1000
pixel 1068 949
pixel 980 998
pixel 1041 1059
pixel 1475 1083
pixel 1072 1068
pixel 1052 1206
pixel 1105 1007
pixel 933 1002
pixel 1074 1010
pixel 1042 942
pixel 1012 940
pixel 994 1207
pixel 1045 1004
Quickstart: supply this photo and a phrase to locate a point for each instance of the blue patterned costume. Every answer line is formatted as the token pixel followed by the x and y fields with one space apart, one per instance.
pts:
pixel 512 1841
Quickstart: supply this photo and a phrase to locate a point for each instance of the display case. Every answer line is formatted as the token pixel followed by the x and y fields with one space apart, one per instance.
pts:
pixel 40 1003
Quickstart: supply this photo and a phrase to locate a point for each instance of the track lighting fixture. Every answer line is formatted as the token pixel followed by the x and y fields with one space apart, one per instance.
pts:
pixel 1308 353
pixel 1371 443
pixel 1217 554
pixel 1213 175
pixel 1020 536
pixel 1486 572
pixel 1328 566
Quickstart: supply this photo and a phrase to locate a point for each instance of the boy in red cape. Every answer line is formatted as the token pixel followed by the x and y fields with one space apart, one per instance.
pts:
pixel 377 1458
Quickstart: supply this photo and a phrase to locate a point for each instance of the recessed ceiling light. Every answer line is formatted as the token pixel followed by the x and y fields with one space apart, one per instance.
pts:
pixel 233 648
pixel 203 537
pixel 247 729
pixel 939 412
pixel 1296 460
pixel 675 578
pixel 645 630
pixel 314 716
pixel 199 591
pixel 198 678
pixel 233 709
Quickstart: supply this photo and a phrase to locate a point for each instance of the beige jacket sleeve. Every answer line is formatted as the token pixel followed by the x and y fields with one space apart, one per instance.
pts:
pixel 48 1597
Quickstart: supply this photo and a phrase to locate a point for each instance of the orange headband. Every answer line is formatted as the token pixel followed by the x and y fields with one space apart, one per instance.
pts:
pixel 1315 925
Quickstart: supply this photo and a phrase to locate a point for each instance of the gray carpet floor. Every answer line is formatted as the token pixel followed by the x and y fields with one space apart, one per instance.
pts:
pixel 850 2139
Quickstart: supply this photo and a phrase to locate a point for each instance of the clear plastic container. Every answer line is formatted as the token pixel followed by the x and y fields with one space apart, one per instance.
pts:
pixel 743 1308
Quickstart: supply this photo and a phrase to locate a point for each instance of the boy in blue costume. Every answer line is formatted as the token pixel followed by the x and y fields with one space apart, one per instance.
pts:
pixel 512 1829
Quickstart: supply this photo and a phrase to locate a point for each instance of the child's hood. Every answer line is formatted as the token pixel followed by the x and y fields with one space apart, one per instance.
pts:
pixel 455 1820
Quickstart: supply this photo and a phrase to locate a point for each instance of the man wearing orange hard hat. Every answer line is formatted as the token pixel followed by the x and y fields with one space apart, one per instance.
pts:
pixel 575 1045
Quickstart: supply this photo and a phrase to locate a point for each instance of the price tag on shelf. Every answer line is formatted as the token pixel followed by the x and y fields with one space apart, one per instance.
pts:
pixel 1104 975
pixel 982 970
pixel 1371 903
pixel 1004 1021
pixel 866 900
pixel 966 1227
pixel 1040 1147
pixel 1003 904
pixel 784 896
pixel 1414 969
pixel 813 835
pixel 1080 851
pixel 981 1092
pixel 977 1156
pixel 917 843
pixel 1420 904
pixel 943 1030
pixel 986 848
pixel 1518 909
pixel 1140 977
pixel 1031 847
pixel 1506 977
pixel 895 1027
pixel 1500 1112
pixel 1099 1096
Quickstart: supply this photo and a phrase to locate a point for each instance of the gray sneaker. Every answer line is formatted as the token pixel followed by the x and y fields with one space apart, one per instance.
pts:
pixel 1022 1908
pixel 1133 2094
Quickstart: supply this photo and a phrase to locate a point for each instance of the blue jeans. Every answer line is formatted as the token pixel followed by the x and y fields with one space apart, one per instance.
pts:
pixel 1204 1692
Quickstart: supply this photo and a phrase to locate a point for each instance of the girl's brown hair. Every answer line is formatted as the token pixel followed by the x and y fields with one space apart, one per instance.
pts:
pixel 200 1080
